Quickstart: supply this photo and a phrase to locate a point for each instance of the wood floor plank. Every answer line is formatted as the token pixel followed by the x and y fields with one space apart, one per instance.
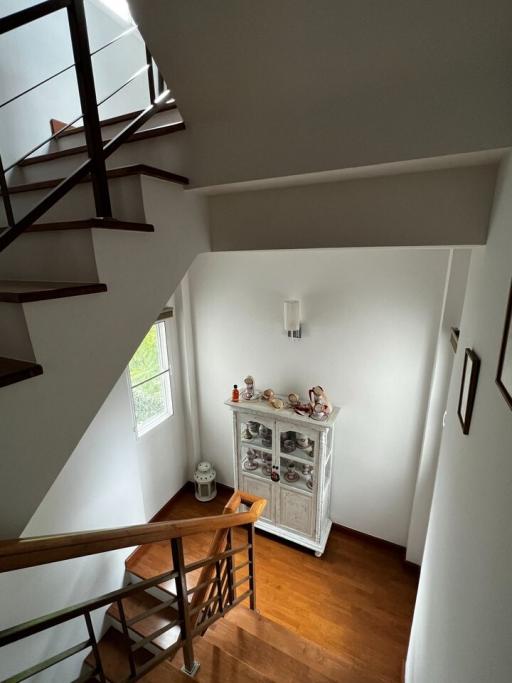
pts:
pixel 356 601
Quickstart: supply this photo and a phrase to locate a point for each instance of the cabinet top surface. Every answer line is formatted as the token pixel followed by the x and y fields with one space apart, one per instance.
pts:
pixel 263 408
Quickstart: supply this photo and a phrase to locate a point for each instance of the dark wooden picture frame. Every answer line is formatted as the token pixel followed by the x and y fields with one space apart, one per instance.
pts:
pixel 505 359
pixel 468 386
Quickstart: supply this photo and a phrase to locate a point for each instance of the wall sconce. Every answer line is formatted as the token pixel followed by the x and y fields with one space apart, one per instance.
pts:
pixel 292 319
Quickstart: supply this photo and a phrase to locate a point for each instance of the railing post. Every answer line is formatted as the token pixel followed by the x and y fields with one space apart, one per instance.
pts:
pixel 92 638
pixel 230 568
pixel 218 576
pixel 88 101
pixel 124 626
pixel 151 76
pixel 9 215
pixel 161 83
pixel 252 575
pixel 191 666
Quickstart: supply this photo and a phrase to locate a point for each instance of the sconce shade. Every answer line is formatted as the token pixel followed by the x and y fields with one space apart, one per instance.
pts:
pixel 292 315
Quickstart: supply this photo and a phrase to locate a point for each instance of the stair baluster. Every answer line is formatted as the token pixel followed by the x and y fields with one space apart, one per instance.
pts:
pixel 191 666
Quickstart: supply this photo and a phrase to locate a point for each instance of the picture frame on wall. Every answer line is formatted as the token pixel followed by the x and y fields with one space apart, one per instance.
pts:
pixel 468 386
pixel 504 373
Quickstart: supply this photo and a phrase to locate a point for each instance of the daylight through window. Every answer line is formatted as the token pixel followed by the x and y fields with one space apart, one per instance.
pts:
pixel 150 380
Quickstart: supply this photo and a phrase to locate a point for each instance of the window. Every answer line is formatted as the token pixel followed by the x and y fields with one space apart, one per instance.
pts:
pixel 150 380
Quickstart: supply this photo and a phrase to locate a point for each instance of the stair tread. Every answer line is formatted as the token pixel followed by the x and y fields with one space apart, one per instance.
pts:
pixel 119 172
pixel 113 654
pixel 87 223
pixel 116 119
pixel 261 655
pixel 155 131
pixel 141 602
pixel 18 291
pixel 13 370
pixel 218 666
pixel 290 642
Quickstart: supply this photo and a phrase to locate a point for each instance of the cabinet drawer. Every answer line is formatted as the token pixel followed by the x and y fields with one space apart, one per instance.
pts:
pixel 296 511
pixel 262 489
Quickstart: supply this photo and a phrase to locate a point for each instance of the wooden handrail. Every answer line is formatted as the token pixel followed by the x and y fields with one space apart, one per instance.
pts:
pixel 219 541
pixel 30 552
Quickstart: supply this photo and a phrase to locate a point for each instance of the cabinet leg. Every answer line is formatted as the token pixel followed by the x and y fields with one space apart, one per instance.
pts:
pixel 318 553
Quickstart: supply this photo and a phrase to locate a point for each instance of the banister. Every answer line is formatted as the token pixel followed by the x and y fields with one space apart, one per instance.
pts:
pixel 220 538
pixel 30 552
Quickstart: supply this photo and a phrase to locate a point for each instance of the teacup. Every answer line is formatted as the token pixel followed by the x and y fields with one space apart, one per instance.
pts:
pixel 301 440
pixel 254 428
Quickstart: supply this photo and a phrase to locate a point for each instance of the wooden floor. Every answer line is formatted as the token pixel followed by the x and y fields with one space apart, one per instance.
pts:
pixel 357 600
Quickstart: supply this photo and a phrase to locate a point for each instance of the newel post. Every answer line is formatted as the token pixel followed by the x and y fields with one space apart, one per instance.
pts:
pixel 88 101
pixel 190 666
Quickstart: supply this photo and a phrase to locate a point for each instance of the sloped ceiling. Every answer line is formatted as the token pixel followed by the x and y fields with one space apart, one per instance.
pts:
pixel 280 87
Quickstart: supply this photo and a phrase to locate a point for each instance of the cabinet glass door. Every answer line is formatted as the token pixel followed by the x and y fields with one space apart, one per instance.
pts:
pixel 298 454
pixel 256 446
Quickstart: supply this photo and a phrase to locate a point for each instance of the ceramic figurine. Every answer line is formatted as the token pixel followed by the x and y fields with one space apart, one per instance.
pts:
pixel 319 406
pixel 294 399
pixel 246 433
pixel 268 394
pixel 277 403
pixel 248 392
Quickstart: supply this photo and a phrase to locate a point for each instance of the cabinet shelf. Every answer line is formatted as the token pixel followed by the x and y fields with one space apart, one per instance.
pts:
pixel 298 456
pixel 256 443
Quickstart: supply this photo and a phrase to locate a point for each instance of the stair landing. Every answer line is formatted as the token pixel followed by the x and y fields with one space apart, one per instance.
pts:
pixel 355 602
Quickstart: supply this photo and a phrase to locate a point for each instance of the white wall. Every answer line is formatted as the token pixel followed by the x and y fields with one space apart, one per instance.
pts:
pixel 111 479
pixel 371 319
pixel 35 51
pixel 452 312
pixel 463 617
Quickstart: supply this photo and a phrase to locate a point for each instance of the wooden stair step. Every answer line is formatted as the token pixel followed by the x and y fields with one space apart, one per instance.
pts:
pixel 120 172
pixel 114 658
pixel 218 666
pixel 139 603
pixel 165 586
pixel 88 223
pixel 263 656
pixel 293 644
pixel 156 131
pixel 113 654
pixel 129 116
pixel 13 370
pixel 20 292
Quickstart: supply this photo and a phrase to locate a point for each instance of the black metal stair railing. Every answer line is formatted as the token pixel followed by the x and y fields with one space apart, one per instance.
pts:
pixel 191 621
pixel 97 152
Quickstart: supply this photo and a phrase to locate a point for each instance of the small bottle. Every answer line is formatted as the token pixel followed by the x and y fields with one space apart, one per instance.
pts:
pixel 235 394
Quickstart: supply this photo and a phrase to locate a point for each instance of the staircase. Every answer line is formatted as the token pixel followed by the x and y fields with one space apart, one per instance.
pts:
pixel 95 235
pixel 189 621
pixel 243 646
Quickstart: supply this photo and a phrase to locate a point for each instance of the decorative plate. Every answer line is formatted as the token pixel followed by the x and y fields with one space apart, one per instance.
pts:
pixel 291 476
pixel 247 465
pixel 255 397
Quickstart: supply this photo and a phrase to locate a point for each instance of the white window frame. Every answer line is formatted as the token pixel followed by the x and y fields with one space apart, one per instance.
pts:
pixel 163 350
